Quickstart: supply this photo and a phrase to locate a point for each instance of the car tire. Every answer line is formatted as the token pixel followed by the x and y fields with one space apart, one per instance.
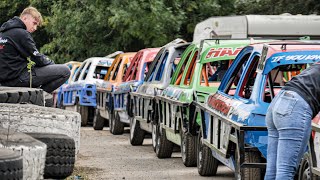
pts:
pixel 206 163
pixel 188 149
pixel 98 120
pixel 111 116
pixel 32 151
pixel 136 133
pixel 30 118
pixel 305 172
pixel 60 157
pixel 251 173
pixel 48 99
pixel 21 95
pixel 154 136
pixel 49 103
pixel 11 164
pixel 117 127
pixel 84 112
pixel 164 147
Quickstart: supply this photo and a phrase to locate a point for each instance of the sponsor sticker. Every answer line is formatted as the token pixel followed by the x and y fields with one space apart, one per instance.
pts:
pixel 295 58
pixel 220 52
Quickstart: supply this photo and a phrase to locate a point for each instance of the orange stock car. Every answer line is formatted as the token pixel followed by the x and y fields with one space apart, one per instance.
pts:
pixel 112 78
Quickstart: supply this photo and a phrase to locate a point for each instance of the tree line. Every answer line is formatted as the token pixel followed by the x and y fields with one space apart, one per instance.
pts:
pixel 79 29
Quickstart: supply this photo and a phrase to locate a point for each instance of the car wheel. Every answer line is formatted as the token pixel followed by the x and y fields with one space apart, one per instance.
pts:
pixel 11 164
pixel 117 127
pixel 164 147
pixel 136 133
pixel 188 149
pixel 60 156
pixel 206 163
pixel 98 120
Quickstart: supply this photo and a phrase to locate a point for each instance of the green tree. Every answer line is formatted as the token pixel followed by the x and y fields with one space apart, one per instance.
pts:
pixel 144 23
pixel 196 12
pixel 277 7
pixel 79 29
pixel 11 8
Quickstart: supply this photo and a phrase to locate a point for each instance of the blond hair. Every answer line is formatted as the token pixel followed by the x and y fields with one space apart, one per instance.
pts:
pixel 34 13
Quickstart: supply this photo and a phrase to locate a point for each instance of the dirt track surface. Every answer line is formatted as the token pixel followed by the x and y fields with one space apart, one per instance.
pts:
pixel 106 156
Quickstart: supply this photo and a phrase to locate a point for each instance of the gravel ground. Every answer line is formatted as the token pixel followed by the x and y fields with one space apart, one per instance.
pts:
pixel 106 156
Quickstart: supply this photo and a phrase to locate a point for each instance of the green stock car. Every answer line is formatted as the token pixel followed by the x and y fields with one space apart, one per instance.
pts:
pixel 198 74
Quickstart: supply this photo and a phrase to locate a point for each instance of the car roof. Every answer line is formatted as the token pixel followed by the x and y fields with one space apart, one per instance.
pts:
pixel 100 61
pixel 274 54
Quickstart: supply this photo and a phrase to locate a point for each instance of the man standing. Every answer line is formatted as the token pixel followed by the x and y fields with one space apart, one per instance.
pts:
pixel 17 45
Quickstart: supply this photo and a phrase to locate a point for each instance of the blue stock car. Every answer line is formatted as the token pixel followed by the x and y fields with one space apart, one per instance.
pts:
pixel 233 129
pixel 80 94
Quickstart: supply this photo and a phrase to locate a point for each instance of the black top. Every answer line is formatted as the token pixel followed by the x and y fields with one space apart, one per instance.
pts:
pixel 16 45
pixel 307 85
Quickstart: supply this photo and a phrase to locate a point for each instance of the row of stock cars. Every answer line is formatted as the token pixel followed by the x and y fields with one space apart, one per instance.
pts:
pixel 208 98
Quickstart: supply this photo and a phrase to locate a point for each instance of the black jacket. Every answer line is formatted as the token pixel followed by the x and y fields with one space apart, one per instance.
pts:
pixel 16 45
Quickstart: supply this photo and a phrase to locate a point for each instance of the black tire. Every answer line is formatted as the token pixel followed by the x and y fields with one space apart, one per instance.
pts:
pixel 154 136
pixel 36 96
pixel 98 120
pixel 24 96
pixel 60 157
pixel 189 149
pixel 21 95
pixel 206 163
pixel 164 147
pixel 49 103
pixel 13 96
pixel 129 106
pixel 116 126
pixel 304 169
pixel 48 99
pixel 251 173
pixel 84 112
pixel 111 116
pixel 3 97
pixel 11 166
pixel 33 96
pixel 136 133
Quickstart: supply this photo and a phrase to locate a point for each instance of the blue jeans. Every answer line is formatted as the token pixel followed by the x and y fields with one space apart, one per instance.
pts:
pixel 289 126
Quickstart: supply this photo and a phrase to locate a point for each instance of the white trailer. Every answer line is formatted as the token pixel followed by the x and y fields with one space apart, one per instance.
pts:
pixel 270 26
